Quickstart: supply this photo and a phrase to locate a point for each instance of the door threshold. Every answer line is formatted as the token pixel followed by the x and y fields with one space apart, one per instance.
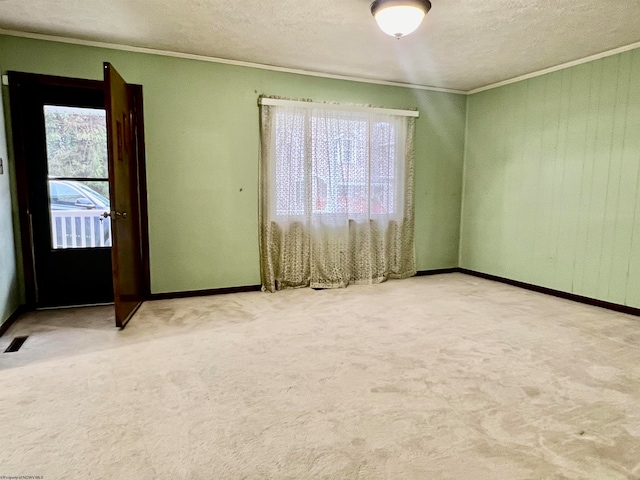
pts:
pixel 75 306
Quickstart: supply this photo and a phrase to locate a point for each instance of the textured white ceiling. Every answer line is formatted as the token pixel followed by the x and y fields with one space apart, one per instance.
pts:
pixel 462 44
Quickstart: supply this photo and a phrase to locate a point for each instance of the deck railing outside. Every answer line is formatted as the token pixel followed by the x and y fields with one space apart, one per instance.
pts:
pixel 80 229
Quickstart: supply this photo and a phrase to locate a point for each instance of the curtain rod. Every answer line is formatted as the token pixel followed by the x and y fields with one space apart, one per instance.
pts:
pixel 336 106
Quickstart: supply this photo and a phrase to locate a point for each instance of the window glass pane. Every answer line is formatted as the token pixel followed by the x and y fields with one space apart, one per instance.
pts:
pixel 76 141
pixel 335 163
pixel 291 186
pixel 340 163
pixel 383 168
pixel 77 219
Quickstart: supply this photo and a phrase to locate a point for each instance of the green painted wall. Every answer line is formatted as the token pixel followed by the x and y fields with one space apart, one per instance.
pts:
pixel 9 290
pixel 202 155
pixel 551 181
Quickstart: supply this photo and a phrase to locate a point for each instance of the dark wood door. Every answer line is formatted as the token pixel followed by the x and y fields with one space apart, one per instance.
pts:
pixel 127 196
pixel 59 127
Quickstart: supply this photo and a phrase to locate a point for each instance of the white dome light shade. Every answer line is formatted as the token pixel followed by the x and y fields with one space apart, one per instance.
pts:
pixel 399 17
pixel 399 21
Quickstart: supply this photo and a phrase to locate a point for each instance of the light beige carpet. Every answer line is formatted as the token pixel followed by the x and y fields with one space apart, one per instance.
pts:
pixel 445 377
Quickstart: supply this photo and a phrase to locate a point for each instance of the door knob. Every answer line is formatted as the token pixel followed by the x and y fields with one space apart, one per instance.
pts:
pixel 113 214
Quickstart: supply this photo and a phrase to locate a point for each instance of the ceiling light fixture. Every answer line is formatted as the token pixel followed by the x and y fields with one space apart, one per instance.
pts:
pixel 399 17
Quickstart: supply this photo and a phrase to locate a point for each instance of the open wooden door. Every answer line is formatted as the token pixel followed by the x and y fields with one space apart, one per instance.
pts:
pixel 128 197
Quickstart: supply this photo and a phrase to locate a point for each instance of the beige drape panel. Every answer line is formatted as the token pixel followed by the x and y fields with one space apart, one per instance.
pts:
pixel 336 197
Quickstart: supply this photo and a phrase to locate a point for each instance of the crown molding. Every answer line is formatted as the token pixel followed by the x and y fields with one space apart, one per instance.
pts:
pixel 204 58
pixel 557 68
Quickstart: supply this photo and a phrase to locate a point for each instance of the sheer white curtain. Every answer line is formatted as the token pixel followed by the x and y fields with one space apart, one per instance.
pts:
pixel 336 197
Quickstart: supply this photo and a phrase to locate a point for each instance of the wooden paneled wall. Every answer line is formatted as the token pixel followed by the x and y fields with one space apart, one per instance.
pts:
pixel 551 182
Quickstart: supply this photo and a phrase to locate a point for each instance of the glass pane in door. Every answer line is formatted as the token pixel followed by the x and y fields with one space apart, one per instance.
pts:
pixel 78 181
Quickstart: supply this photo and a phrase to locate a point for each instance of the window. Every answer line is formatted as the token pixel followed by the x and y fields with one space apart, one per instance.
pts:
pixel 336 164
pixel 336 194
pixel 76 141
